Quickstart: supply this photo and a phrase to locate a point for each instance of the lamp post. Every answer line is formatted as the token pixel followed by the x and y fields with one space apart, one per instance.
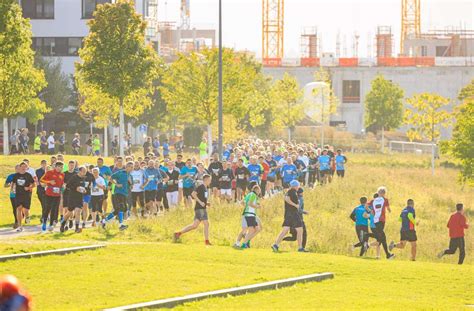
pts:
pixel 220 119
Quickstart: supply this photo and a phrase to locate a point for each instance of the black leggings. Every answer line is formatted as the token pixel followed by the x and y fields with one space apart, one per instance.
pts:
pixel 454 244
pixel 380 236
pixel 138 196
pixel 51 209
pixel 363 235
pixel 120 203
pixel 12 201
pixel 294 235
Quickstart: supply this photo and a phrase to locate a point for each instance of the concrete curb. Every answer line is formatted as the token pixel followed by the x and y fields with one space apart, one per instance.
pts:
pixel 61 251
pixel 242 290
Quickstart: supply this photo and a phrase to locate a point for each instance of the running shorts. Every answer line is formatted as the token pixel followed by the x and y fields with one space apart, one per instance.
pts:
pixel 200 214
pixel 409 236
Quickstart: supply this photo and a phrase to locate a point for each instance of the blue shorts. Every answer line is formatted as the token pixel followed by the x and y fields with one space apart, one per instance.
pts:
pixel 86 198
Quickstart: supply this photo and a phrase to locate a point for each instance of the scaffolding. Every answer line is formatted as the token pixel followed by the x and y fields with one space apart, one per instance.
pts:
pixel 411 26
pixel 272 32
pixel 151 17
pixel 309 42
pixel 185 14
pixel 384 41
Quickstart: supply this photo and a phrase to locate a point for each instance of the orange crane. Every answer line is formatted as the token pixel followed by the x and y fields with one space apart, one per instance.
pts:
pixel 411 26
pixel 273 12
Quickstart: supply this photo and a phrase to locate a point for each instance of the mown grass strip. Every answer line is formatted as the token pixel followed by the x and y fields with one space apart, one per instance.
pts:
pixel 61 251
pixel 234 291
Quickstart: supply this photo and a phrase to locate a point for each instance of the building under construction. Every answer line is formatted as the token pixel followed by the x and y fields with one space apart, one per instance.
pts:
pixel 436 61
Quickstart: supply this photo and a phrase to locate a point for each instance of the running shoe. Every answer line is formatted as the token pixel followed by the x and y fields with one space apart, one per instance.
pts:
pixel 63 227
pixel 50 228
pixel 391 246
pixel 208 243
pixel 248 244
pixel 275 248
pixel 71 224
pixel 391 256
pixel 176 236
pixel 244 246
pixel 78 230
pixel 27 220
pixel 302 250
pixel 43 227
pixel 19 229
pixel 83 225
pixel 123 227
pixel 440 254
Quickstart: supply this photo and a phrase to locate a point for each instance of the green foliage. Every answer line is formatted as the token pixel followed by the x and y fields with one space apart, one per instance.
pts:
pixel 20 82
pixel 58 93
pixel 287 104
pixel 467 91
pixel 192 136
pixel 461 145
pixel 426 114
pixel 383 105
pixel 115 58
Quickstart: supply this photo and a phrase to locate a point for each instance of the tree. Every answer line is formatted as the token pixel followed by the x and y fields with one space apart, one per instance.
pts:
pixel 103 110
pixel 190 87
pixel 425 115
pixel 287 104
pixel 461 145
pixel 384 106
pixel 115 57
pixel 20 82
pixel 58 93
pixel 467 91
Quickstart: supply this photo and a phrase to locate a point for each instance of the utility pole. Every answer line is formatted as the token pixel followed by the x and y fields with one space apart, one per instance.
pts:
pixel 220 119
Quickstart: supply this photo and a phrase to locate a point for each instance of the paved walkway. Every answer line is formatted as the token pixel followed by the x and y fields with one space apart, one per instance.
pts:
pixel 10 233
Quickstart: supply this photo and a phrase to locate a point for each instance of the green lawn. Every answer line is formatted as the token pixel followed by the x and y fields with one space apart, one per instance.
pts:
pixel 131 273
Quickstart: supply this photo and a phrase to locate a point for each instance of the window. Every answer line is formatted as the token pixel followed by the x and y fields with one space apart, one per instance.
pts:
pixel 89 6
pixel 441 51
pixel 59 46
pixel 38 9
pixel 351 91
pixel 424 50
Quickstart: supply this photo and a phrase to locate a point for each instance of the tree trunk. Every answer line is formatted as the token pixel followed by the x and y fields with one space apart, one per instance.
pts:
pixel 106 142
pixel 209 140
pixel 383 139
pixel 6 151
pixel 322 136
pixel 289 134
pixel 92 127
pixel 121 129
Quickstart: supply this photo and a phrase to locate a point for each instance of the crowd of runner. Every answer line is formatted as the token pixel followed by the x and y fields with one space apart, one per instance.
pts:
pixel 73 194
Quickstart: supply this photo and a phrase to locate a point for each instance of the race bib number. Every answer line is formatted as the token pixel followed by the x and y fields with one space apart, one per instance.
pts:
pixel 56 190
pixel 205 194
pixel 136 181
pixel 20 182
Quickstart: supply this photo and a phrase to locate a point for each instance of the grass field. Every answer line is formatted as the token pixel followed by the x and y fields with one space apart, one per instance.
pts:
pixel 144 251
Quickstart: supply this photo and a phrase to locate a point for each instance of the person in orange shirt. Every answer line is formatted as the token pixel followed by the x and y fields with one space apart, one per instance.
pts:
pixel 53 181
pixel 456 224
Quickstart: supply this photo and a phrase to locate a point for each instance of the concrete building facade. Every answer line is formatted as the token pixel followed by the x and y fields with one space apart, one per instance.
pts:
pixel 351 85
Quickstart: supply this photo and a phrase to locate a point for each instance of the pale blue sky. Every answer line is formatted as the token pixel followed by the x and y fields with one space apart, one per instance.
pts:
pixel 242 20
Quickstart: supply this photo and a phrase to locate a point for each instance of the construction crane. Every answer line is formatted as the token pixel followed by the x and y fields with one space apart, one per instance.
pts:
pixel 185 14
pixel 272 31
pixel 411 27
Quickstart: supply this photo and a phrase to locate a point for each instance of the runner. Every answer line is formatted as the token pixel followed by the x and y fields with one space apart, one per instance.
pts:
pixel 8 184
pixel 255 171
pixel 105 172
pixel 288 173
pixel 380 205
pixel 242 174
pixel 301 211
pixel 88 182
pixel 53 181
pixel 292 217
pixel 360 216
pixel 96 145
pixel 225 182
pixel 187 174
pixel 215 169
pixel 138 194
pixel 250 216
pixel 172 184
pixel 166 148
pixel 407 231
pixel 76 144
pixel 44 143
pixel 203 150
pixel 312 169
pixel 121 181
pixel 456 224
pixel 271 175
pixel 40 189
pixel 151 177
pixel 63 208
pixel 324 161
pixel 37 143
pixel 97 195
pixel 76 190
pixel 341 161
pixel 200 211
pixel 62 143
pixel 179 165
pixel 22 185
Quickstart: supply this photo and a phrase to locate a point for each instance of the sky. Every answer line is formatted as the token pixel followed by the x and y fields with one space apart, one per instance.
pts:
pixel 242 21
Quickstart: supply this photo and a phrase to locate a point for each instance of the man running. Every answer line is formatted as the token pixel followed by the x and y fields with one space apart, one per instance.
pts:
pixel 8 184
pixel 97 195
pixel 456 224
pixel 340 160
pixel 200 211
pixel 292 217
pixel 324 161
pixel 172 184
pixel 151 176
pixel 215 169
pixel 75 202
pixel 187 176
pixel 361 215
pixel 288 173
pixel 122 184
pixel 250 215
pixel 380 205
pixel 138 195
pixel 105 172
pixel 407 231
pixel 53 181
pixel 22 185
pixel 242 174
pixel 225 182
